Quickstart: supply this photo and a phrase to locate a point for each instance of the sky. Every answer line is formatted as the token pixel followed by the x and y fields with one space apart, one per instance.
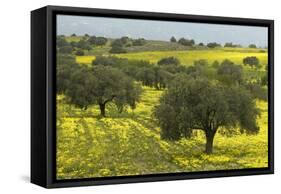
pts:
pixel 161 30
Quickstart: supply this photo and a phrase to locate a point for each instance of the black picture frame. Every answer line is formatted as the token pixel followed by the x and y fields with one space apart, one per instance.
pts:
pixel 43 95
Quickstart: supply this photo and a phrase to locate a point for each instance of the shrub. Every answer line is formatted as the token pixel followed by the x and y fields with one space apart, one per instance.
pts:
pixel 117 49
pixel 213 45
pixel 252 46
pixel 173 39
pixel 186 42
pixel 139 42
pixel 169 61
pixel 66 49
pixel 252 61
pixel 79 52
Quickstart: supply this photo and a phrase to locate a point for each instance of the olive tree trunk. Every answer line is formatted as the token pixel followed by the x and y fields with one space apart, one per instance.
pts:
pixel 102 109
pixel 102 105
pixel 209 141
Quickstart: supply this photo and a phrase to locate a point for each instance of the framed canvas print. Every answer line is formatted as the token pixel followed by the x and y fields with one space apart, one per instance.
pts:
pixel 126 96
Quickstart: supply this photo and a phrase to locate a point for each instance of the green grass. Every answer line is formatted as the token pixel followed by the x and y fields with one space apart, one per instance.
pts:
pixel 129 144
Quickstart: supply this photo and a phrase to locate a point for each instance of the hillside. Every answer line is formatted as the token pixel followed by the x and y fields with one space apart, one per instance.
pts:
pixel 155 45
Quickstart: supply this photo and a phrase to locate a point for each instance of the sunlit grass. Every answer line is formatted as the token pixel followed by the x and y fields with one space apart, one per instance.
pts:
pixel 129 144
pixel 189 56
pixel 85 59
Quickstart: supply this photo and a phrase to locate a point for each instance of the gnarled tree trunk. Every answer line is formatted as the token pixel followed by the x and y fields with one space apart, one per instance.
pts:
pixel 209 141
pixel 102 105
pixel 102 109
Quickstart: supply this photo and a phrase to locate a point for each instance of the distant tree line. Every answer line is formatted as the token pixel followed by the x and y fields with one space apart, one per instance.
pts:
pixel 191 42
pixel 119 45
pixel 231 45
pixel 86 43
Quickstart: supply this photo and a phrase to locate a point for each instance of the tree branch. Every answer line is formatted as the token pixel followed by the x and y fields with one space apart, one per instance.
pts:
pixel 110 99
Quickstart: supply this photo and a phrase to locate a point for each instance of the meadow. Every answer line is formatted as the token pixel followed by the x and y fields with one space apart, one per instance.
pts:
pixel 188 57
pixel 128 143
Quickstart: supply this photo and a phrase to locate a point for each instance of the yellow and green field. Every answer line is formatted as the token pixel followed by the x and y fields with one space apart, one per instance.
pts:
pixel 187 57
pixel 130 144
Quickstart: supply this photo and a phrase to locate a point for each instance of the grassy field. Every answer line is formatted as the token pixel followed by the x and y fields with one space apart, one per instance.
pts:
pixel 130 144
pixel 187 57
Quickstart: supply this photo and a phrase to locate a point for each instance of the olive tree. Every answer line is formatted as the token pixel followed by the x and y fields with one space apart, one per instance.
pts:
pixel 161 77
pixel 199 104
pixel 80 52
pixel 98 41
pixel 229 73
pixel 101 85
pixel 65 50
pixel 252 61
pixel 186 42
pixel 117 46
pixel 169 61
pixel 213 45
pixel 146 75
pixel 173 39
pixel 66 65
pixel 81 85
pixel 139 42
pixel 252 46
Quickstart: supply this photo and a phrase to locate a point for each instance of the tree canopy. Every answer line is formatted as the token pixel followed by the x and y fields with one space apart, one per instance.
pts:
pixel 61 41
pixel 169 61
pixel 173 39
pixel 186 42
pixel 252 46
pixel 229 73
pixel 252 61
pixel 139 42
pixel 213 45
pixel 65 67
pixel 98 41
pixel 199 104
pixel 101 85
pixel 230 44
pixel 65 49
pixel 117 49
pixel 79 52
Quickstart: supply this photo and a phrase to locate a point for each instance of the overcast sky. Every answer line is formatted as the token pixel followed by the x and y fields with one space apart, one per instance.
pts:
pixel 161 30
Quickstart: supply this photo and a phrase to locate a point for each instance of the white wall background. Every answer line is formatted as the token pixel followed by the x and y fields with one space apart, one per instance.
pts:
pixel 15 95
